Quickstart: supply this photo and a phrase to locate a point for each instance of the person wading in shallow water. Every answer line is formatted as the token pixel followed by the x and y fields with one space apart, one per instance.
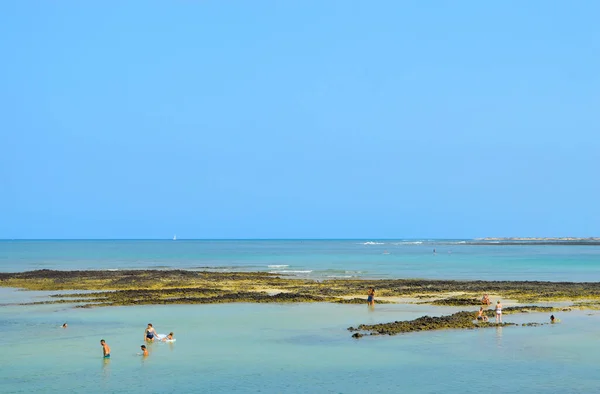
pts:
pixel 149 333
pixel 105 348
pixel 371 297
pixel 498 312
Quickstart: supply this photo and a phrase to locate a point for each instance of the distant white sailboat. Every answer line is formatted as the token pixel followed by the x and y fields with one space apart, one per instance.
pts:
pixel 175 237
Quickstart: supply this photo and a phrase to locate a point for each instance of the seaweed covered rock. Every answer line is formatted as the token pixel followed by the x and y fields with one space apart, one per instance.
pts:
pixel 456 301
pixel 359 301
pixel 458 320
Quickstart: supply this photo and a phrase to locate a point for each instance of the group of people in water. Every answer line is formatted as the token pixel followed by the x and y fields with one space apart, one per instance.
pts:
pixel 150 335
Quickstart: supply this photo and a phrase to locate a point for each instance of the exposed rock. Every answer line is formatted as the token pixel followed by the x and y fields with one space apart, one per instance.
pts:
pixel 456 301
pixel 359 301
pixel 180 286
pixel 459 320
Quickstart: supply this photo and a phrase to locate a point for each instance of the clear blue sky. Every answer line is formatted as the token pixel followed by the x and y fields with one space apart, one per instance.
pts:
pixel 299 119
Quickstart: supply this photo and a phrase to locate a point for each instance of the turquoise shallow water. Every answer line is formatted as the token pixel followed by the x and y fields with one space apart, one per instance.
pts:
pixel 454 259
pixel 296 348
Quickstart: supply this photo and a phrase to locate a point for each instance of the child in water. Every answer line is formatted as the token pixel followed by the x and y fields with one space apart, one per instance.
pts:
pixel 168 337
pixel 144 351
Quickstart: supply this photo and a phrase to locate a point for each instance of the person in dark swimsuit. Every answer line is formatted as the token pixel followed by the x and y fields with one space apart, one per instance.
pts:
pixel 149 333
pixel 371 297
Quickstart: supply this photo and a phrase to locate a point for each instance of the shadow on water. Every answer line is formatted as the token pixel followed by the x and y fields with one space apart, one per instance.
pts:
pixel 105 370
pixel 499 336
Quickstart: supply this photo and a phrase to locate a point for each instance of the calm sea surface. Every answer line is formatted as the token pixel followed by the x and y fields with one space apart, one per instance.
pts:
pixel 294 348
pixel 453 259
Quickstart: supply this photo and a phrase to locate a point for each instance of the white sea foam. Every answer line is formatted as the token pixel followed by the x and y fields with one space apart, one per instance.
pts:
pixel 372 243
pixel 291 272
pixel 409 243
pixel 339 276
pixel 278 266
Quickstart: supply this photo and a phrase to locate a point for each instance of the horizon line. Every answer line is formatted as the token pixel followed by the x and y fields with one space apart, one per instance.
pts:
pixel 516 238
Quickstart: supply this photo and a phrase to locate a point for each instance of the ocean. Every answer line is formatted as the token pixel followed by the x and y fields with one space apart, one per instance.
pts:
pixel 316 259
pixel 295 348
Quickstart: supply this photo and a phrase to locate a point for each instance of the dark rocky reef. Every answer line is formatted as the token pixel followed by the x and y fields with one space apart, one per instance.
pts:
pixel 359 301
pixel 455 301
pixel 458 320
pixel 180 286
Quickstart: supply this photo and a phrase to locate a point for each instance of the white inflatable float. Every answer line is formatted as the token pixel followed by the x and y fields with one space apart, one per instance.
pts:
pixel 163 338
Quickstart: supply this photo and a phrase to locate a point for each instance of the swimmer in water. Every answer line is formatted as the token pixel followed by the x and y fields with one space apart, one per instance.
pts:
pixel 105 348
pixel 168 337
pixel 64 325
pixel 144 351
pixel 149 333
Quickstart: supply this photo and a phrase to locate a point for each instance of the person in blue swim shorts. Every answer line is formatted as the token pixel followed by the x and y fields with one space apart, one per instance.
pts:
pixel 105 348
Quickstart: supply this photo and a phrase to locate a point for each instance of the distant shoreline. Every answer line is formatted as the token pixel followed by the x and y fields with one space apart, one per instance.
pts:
pixel 547 239
pixel 535 241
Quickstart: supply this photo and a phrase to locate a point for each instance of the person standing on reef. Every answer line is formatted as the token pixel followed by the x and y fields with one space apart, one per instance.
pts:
pixel 105 348
pixel 149 333
pixel 371 297
pixel 498 312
